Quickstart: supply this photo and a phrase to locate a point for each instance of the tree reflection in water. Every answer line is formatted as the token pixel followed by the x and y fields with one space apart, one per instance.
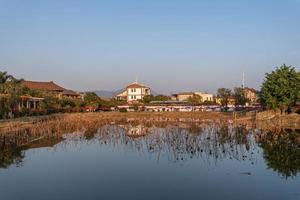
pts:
pixel 11 157
pixel 178 142
pixel 282 151
pixel 12 154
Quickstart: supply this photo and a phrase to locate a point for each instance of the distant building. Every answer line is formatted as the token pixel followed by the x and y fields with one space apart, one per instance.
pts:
pixel 51 87
pixel 251 94
pixel 122 95
pixel 205 96
pixel 134 92
pixel 183 96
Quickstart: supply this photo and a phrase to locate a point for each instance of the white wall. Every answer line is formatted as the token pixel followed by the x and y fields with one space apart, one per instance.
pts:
pixel 134 94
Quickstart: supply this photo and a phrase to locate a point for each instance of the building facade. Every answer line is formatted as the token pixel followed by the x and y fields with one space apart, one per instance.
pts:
pixel 251 94
pixel 134 92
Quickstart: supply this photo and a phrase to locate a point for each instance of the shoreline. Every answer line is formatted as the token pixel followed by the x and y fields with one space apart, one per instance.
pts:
pixel 287 121
pixel 94 116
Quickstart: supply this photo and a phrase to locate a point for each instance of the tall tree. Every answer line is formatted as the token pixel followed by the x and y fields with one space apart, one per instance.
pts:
pixel 224 94
pixel 10 90
pixel 281 88
pixel 10 85
pixel 239 96
pixel 92 99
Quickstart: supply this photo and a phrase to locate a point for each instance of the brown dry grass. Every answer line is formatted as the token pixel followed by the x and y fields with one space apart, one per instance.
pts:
pixel 25 130
pixel 86 119
pixel 79 121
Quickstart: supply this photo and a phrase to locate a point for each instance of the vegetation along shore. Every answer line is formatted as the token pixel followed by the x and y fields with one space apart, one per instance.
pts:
pixel 278 98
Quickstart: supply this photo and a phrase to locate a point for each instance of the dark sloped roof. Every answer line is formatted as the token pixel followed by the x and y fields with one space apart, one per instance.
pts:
pixel 37 85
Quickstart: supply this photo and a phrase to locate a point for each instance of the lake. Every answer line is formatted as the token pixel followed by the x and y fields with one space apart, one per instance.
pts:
pixel 132 160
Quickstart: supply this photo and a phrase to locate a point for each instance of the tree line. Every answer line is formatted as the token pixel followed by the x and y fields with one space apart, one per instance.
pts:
pixel 11 90
pixel 279 90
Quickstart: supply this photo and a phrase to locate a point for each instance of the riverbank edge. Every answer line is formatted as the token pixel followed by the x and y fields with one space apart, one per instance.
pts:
pixel 292 120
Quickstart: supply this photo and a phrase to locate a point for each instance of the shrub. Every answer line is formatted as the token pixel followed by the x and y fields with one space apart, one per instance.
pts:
pixel 123 110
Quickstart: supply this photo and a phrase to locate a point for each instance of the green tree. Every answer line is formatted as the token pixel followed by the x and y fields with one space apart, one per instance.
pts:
pixel 10 85
pixel 50 102
pixel 282 151
pixel 10 90
pixel 160 97
pixel 195 99
pixel 4 77
pixel 92 99
pixel 224 94
pixel 67 103
pixel 281 88
pixel 239 96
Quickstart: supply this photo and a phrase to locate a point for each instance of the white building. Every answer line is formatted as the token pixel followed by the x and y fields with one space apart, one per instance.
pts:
pixel 134 92
pixel 205 96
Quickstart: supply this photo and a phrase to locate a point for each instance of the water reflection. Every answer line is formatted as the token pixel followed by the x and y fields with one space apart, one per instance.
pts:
pixel 183 142
pixel 178 142
pixel 10 157
pixel 282 151
pixel 13 154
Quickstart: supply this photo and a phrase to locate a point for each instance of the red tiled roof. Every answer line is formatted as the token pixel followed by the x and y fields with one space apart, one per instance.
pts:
pixel 136 85
pixel 49 86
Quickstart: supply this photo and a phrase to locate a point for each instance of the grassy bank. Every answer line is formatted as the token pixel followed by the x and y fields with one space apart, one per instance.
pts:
pixel 87 118
pixel 78 121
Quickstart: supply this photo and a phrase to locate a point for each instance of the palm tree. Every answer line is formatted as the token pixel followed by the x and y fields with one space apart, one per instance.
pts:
pixel 11 89
pixel 9 84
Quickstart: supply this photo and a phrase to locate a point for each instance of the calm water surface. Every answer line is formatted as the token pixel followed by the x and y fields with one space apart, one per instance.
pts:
pixel 178 161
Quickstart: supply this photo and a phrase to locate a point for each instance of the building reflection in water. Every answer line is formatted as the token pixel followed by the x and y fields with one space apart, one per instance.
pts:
pixel 183 142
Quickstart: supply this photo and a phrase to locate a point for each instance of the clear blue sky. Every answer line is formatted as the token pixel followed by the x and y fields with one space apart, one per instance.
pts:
pixel 171 45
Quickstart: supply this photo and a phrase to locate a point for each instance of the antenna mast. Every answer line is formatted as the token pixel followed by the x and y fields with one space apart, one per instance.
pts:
pixel 243 81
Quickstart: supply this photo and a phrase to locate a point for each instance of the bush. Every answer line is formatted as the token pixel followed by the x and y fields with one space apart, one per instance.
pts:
pixel 67 103
pixel 123 110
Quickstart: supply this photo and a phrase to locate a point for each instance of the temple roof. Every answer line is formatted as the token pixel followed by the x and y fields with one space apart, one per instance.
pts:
pixel 37 85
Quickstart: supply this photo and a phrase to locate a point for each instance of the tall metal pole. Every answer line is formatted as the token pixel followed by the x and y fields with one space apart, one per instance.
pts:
pixel 243 81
